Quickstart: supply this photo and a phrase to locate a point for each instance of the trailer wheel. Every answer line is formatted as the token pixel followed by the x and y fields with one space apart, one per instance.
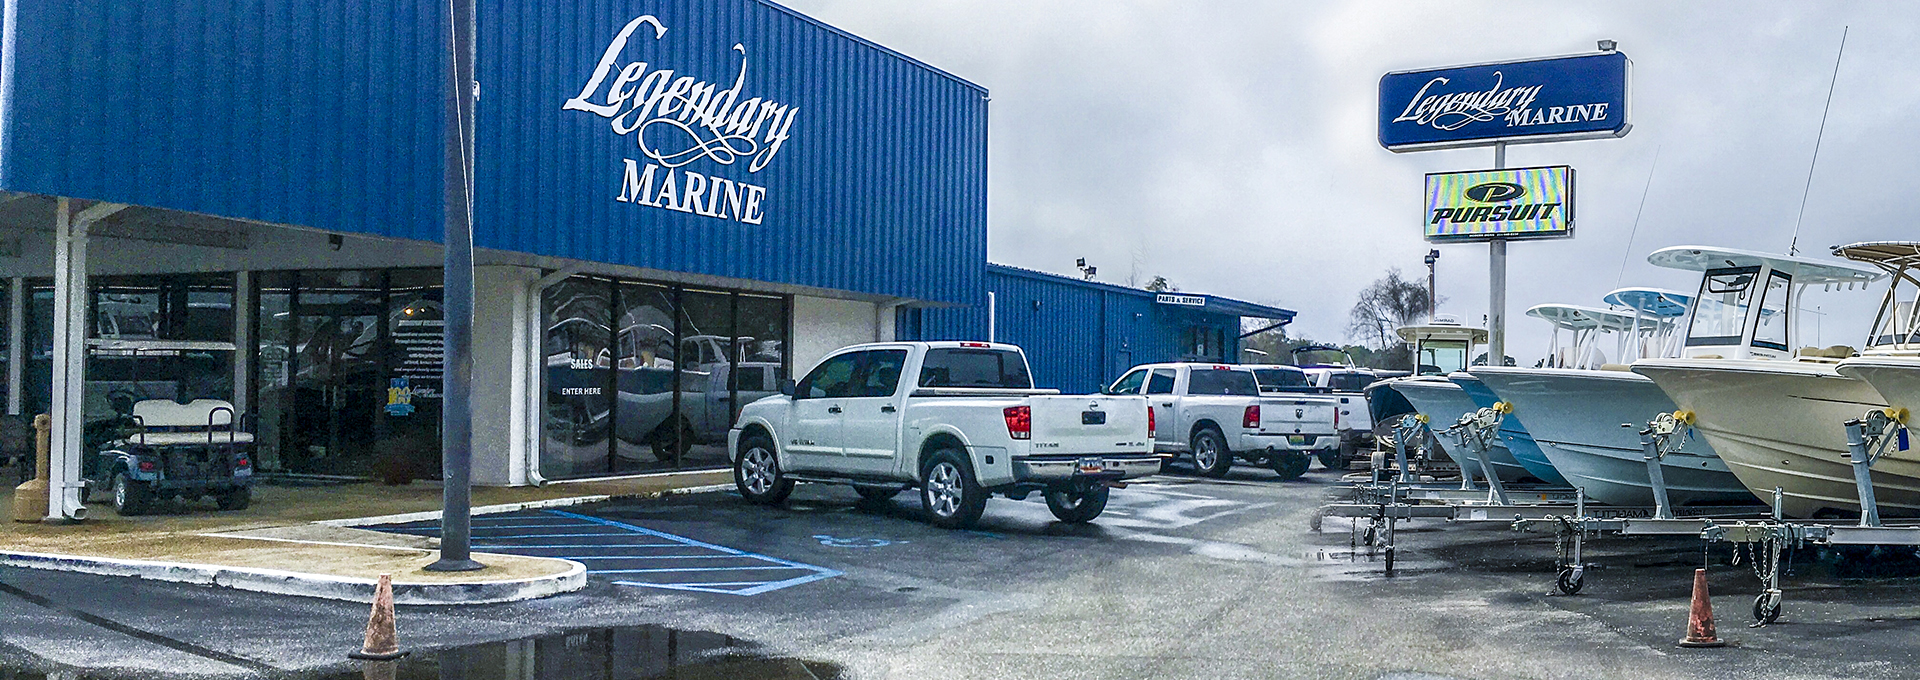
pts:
pixel 1078 507
pixel 130 497
pixel 1211 457
pixel 1766 608
pixel 1570 581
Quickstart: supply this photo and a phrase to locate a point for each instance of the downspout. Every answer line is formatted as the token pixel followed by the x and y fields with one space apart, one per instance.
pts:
pixel 535 361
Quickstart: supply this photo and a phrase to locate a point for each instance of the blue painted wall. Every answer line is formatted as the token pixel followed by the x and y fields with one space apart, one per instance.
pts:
pixel 1079 336
pixel 327 114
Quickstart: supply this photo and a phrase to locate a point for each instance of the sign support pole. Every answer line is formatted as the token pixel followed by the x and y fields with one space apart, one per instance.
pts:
pixel 1497 283
pixel 456 418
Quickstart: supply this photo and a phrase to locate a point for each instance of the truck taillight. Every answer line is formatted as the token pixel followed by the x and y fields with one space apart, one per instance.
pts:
pixel 148 466
pixel 1152 427
pixel 1251 419
pixel 243 462
pixel 1336 419
pixel 1019 421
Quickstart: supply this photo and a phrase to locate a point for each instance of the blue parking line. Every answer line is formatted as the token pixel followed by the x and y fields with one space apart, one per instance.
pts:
pixel 575 546
pixel 652 557
pixel 662 571
pixel 819 573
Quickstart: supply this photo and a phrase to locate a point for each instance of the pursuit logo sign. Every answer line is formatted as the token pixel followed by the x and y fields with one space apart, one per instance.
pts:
pixel 1520 203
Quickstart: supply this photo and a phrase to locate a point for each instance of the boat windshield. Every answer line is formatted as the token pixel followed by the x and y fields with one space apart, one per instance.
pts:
pixel 1771 330
pixel 1440 357
pixel 1720 313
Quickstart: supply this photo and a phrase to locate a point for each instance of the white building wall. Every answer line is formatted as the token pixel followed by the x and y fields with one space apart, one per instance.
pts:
pixel 501 359
pixel 822 325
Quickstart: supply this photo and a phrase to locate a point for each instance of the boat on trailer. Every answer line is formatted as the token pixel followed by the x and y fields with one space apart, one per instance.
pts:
pixel 1439 349
pixel 1774 414
pixel 1891 364
pixel 1586 414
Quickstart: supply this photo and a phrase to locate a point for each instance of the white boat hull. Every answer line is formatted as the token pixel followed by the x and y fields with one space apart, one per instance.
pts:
pixel 1444 402
pixel 1576 417
pixel 1781 424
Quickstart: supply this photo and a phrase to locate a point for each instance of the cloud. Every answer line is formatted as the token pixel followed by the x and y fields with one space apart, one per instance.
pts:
pixel 1231 146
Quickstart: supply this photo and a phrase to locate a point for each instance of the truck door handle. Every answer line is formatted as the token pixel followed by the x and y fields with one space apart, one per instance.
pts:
pixel 888 409
pixel 1168 404
pixel 833 409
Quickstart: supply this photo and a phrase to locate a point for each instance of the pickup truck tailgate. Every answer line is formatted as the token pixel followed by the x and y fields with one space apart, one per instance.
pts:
pixel 1089 424
pixel 1299 415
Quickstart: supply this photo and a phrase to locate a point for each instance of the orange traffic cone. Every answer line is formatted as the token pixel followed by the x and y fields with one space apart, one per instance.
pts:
pixel 382 640
pixel 1700 632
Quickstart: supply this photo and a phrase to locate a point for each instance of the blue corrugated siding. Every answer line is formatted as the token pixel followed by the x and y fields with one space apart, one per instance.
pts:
pixel 327 114
pixel 880 188
pixel 319 113
pixel 1080 336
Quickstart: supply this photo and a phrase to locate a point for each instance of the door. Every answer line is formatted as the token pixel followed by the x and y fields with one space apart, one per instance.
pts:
pixel 337 381
pixel 819 407
pixel 1160 397
pixel 871 428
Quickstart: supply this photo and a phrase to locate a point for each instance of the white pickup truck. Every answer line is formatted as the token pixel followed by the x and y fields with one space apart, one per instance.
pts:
pixel 1215 413
pixel 958 420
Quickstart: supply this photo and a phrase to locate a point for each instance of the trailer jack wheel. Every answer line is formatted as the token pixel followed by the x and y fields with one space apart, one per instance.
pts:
pixel 1766 608
pixel 1570 581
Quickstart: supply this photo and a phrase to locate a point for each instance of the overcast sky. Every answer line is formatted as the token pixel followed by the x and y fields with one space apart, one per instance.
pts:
pixel 1230 146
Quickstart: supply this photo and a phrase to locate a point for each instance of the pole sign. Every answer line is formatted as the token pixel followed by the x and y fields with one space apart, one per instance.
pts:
pixel 1537 100
pixel 1481 205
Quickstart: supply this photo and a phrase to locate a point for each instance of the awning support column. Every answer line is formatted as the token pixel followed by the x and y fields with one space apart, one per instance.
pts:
pixel 64 502
pixel 16 343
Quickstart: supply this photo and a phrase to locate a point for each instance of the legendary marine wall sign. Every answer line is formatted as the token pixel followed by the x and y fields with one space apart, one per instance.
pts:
pixel 1537 100
pixel 1511 204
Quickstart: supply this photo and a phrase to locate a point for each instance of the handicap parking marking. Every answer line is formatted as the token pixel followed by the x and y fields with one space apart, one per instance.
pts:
pixel 681 563
pixel 1152 507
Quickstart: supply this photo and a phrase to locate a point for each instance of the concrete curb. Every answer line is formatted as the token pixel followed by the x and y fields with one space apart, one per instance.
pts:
pixel 514 507
pixel 309 585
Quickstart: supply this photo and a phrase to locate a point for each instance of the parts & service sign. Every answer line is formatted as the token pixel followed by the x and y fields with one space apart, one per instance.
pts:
pixel 1539 100
pixel 1484 204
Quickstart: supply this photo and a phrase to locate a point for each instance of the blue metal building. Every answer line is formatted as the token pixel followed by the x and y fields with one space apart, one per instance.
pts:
pixel 1080 335
pixel 677 204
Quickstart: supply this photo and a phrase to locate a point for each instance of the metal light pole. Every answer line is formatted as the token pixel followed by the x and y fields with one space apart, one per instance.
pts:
pixel 1497 283
pixel 1433 295
pixel 456 418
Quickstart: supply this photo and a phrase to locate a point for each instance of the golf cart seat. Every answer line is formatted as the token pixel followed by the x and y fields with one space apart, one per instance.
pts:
pixel 198 422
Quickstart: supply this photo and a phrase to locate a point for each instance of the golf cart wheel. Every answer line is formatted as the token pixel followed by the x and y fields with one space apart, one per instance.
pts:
pixel 757 474
pixel 131 497
pixel 878 493
pixel 1211 457
pixel 237 498
pixel 949 492
pixel 1078 507
pixel 1766 608
pixel 1290 465
pixel 1570 581
pixel 1332 459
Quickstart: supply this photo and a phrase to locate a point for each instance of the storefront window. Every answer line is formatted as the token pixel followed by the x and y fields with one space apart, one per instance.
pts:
pixel 579 350
pixel 666 367
pixel 644 436
pixel 158 337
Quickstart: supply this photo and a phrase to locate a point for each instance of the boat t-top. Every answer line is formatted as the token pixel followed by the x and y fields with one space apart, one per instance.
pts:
pixel 1770 411
pixel 1891 362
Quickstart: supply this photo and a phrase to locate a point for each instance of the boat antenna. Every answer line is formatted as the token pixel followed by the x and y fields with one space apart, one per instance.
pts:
pixel 1793 245
pixel 1636 219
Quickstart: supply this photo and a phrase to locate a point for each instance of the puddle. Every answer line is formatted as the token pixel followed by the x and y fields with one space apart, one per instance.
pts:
pixel 628 653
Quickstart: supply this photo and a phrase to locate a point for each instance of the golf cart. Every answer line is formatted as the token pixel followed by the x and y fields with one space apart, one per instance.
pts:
pixel 153 450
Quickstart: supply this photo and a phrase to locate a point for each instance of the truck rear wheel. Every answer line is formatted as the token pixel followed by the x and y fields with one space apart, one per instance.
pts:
pixel 1078 507
pixel 953 499
pixel 237 498
pixel 1211 457
pixel 1290 465
pixel 1334 459
pixel 757 474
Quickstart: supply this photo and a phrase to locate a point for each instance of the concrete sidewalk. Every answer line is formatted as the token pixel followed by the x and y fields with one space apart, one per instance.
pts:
pixel 299 540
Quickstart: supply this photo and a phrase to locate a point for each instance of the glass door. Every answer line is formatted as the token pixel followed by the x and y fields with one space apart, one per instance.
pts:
pixel 337 389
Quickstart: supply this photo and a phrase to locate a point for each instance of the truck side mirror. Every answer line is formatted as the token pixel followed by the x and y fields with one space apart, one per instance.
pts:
pixel 786 387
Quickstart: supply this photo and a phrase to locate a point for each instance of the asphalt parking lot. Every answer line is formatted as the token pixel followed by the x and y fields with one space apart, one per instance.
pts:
pixel 1183 578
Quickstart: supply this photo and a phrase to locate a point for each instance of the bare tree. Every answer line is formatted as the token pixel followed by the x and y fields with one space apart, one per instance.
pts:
pixel 1390 302
pixel 1160 284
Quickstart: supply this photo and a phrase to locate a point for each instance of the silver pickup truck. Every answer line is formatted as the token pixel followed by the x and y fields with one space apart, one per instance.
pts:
pixel 957 420
pixel 1215 413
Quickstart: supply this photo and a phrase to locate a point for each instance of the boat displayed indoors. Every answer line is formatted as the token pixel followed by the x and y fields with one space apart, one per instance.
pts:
pixel 1439 349
pixel 1586 414
pixel 1772 414
pixel 1891 363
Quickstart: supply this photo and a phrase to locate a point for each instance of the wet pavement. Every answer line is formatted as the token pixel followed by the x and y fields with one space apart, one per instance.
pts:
pixel 1182 578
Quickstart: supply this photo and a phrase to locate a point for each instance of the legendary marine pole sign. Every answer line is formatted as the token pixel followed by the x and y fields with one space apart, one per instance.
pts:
pixel 1512 204
pixel 1538 100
